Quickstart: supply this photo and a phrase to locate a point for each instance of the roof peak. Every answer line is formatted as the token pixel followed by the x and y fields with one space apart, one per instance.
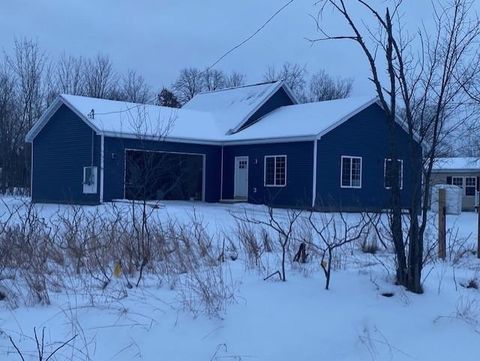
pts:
pixel 240 87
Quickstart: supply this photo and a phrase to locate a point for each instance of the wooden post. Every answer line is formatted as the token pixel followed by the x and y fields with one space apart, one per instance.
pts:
pixel 442 224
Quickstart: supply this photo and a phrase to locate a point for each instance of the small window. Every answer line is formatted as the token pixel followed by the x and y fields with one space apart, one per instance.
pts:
pixel 276 170
pixel 470 186
pixel 388 173
pixel 457 181
pixel 351 172
pixel 242 164
pixel 89 180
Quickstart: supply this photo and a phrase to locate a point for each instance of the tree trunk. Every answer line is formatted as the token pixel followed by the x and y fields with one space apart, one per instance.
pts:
pixel 415 255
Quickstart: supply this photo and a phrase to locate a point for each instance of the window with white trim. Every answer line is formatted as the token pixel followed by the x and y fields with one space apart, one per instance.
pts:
pixel 470 186
pixel 275 171
pixel 89 180
pixel 388 173
pixel 351 172
pixel 457 181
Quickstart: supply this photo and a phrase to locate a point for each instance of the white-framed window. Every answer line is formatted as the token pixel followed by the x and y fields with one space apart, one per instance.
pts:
pixel 90 180
pixel 470 186
pixel 275 172
pixel 388 173
pixel 457 181
pixel 351 172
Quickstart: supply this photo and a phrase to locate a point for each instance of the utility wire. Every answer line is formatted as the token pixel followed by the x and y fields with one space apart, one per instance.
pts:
pixel 243 42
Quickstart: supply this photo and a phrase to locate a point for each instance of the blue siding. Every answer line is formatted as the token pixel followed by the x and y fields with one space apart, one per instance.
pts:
pixel 298 191
pixel 366 135
pixel 277 100
pixel 114 167
pixel 60 151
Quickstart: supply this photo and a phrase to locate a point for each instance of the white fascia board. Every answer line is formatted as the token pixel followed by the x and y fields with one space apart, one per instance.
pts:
pixel 347 117
pixel 52 109
pixel 307 138
pixel 280 84
pixel 43 120
pixel 160 139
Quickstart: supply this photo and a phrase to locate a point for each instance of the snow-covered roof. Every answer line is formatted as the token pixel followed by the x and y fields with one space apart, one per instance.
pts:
pixel 130 120
pixel 459 164
pixel 123 119
pixel 304 120
pixel 234 106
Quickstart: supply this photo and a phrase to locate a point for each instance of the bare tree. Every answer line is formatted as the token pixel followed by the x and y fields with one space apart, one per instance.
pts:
pixel 421 77
pixel 188 84
pixel 324 87
pixel 234 79
pixel 69 75
pixel 134 88
pixel 213 79
pixel 100 78
pixel 293 74
pixel 27 64
pixel 9 132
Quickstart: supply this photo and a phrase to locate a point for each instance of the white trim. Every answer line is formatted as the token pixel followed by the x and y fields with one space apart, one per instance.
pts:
pixel 45 118
pixel 204 174
pixel 102 165
pixel 475 185
pixel 351 171
pixel 274 156
pixel 314 182
pixel 239 158
pixel 346 117
pixel 204 163
pixel 163 139
pixel 464 184
pixel 385 172
pixel 31 170
pixel 307 138
pixel 40 123
pixel 267 97
pixel 221 175
pixel 463 181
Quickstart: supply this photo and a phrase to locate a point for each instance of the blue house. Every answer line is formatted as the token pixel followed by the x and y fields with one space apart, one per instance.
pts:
pixel 252 143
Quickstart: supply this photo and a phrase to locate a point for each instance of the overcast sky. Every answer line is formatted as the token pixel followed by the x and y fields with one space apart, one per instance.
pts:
pixel 159 37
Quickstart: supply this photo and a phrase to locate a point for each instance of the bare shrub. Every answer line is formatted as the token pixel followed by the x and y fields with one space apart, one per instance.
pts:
pixel 334 232
pixel 282 224
pixel 207 290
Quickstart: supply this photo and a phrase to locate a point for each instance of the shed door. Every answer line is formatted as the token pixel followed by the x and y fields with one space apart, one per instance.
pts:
pixel 241 177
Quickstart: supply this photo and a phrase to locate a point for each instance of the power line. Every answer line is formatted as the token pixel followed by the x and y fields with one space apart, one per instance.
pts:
pixel 243 42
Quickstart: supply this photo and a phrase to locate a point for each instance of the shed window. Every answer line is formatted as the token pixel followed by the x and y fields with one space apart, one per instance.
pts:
pixel 89 180
pixel 457 181
pixel 275 170
pixel 351 172
pixel 390 176
pixel 470 186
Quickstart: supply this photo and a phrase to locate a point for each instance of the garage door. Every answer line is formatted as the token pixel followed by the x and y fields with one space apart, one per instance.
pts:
pixel 162 175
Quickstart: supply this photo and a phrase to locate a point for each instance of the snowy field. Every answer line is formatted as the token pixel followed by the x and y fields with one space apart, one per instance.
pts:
pixel 261 320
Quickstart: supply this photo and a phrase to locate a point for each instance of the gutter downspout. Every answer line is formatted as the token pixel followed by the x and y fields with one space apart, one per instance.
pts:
pixel 221 176
pixel 102 165
pixel 314 182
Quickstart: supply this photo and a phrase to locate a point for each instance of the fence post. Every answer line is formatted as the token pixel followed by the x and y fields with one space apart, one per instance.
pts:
pixel 442 224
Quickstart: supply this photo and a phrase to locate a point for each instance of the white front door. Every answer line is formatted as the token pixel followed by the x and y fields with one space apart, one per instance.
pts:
pixel 241 177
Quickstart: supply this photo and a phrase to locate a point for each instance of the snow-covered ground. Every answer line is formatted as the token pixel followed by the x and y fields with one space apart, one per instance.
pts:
pixel 265 320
